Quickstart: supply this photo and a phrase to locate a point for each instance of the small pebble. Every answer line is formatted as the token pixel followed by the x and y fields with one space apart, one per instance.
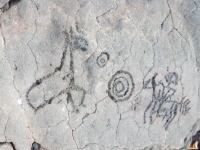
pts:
pixel 35 146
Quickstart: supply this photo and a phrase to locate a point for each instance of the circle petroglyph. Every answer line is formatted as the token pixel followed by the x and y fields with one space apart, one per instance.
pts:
pixel 121 86
pixel 102 59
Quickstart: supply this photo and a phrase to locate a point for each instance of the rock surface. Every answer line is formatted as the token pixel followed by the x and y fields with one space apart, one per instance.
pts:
pixel 6 146
pixel 99 74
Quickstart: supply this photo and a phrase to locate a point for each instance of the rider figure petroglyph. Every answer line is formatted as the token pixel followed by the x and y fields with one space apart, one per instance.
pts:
pixel 163 103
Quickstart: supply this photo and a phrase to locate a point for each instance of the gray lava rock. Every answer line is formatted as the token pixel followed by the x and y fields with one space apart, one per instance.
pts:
pixel 3 3
pixel 6 146
pixel 99 74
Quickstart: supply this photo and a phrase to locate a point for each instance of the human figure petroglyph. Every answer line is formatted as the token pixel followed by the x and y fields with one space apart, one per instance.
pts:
pixel 73 41
pixel 163 103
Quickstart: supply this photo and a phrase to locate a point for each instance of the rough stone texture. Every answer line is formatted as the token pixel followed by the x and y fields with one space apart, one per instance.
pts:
pixel 6 146
pixel 99 74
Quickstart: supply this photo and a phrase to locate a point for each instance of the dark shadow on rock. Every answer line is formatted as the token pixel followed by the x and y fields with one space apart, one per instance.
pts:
pixel 8 5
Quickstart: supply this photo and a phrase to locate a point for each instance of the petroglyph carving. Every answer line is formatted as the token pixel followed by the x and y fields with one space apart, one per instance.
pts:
pixel 75 93
pixel 102 59
pixel 163 103
pixel 121 86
